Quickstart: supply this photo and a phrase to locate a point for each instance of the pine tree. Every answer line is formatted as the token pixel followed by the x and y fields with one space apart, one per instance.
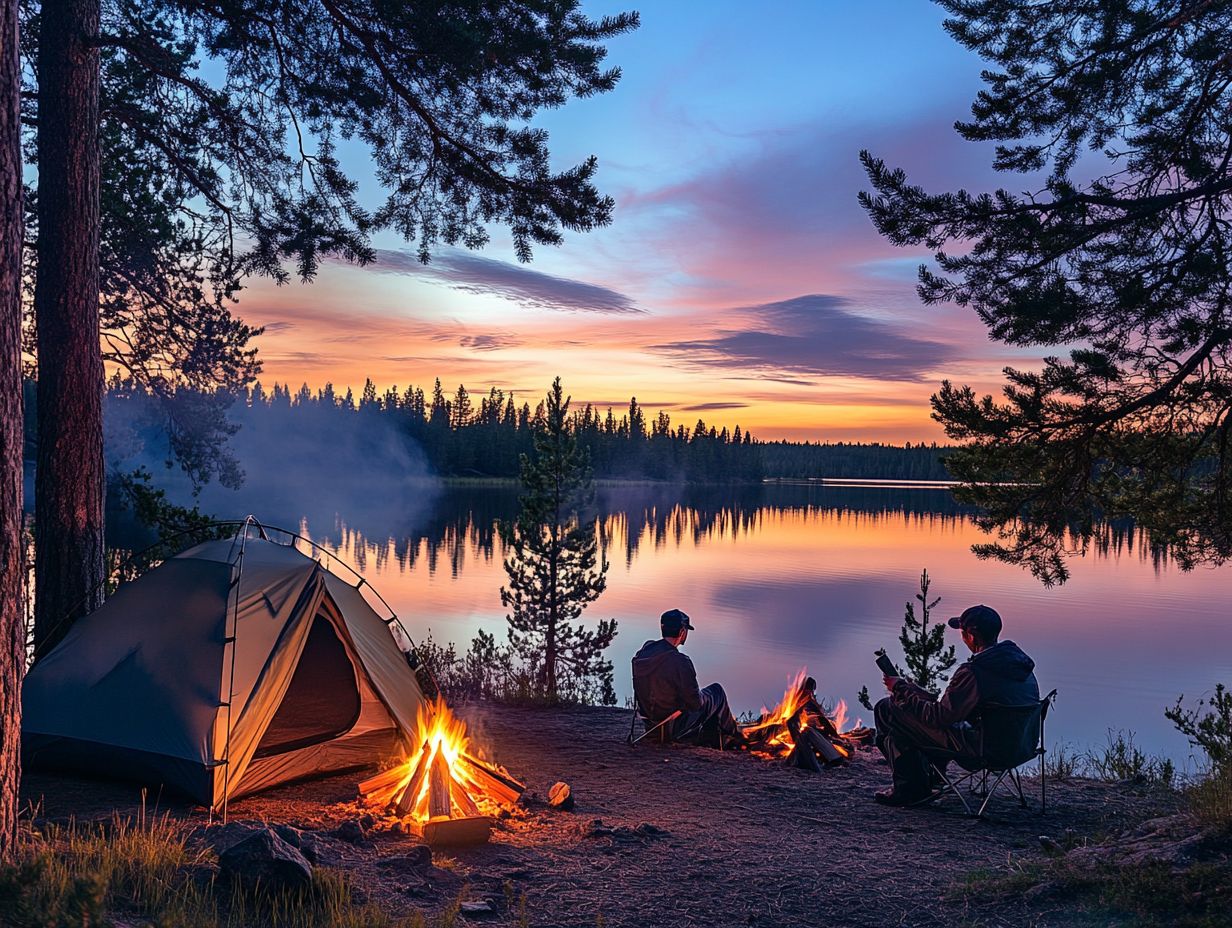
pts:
pixel 555 567
pixel 237 111
pixel 925 653
pixel 1116 270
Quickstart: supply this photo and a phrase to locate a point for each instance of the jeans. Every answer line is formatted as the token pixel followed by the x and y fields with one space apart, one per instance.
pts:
pixel 902 738
pixel 711 723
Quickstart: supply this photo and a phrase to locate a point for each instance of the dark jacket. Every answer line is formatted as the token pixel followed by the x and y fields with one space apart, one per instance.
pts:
pixel 664 680
pixel 1000 676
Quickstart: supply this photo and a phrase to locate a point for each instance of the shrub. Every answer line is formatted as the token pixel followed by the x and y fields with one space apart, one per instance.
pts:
pixel 1121 759
pixel 1210 732
pixel 1210 796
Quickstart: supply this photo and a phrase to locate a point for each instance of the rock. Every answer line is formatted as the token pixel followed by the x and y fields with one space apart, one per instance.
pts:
pixel 397 828
pixel 595 829
pixel 350 831
pixel 478 908
pixel 310 847
pixel 366 821
pixel 416 858
pixel 293 836
pixel 221 837
pixel 264 856
pixel 560 796
pixel 1049 845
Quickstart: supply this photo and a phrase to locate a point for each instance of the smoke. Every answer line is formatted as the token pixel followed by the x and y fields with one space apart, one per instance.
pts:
pixel 323 465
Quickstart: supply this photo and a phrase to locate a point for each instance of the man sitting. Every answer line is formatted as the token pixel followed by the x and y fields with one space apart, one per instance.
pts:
pixel 911 718
pixel 664 681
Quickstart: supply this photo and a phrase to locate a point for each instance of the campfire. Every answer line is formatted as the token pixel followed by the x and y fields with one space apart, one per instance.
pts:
pixel 801 732
pixel 443 790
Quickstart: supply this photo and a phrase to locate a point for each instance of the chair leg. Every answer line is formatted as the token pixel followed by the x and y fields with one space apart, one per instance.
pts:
pixel 952 785
pixel 1022 799
pixel 988 797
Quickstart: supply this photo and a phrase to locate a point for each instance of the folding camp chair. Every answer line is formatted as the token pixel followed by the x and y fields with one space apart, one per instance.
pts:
pixel 1010 737
pixel 660 732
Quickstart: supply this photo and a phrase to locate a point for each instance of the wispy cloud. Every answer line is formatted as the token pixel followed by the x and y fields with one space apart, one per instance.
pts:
pixel 710 407
pixel 492 342
pixel 476 274
pixel 816 335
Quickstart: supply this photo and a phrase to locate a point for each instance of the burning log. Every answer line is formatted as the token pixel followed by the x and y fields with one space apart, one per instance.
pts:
pixel 803 755
pixel 440 785
pixel 408 799
pixel 800 730
pixel 494 780
pixel 440 800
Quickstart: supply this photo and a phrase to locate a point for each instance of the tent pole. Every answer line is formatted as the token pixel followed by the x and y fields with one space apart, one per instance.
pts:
pixel 242 535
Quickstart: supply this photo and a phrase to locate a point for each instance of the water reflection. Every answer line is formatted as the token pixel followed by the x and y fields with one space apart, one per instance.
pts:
pixel 783 576
pixel 464 520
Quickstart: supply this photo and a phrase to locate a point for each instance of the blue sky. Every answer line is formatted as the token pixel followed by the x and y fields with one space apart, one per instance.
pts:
pixel 739 273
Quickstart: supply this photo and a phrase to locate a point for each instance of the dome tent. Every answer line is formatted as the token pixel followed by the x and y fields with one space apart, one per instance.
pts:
pixel 230 668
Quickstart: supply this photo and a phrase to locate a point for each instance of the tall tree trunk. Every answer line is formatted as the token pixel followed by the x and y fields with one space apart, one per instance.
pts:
pixel 69 485
pixel 12 612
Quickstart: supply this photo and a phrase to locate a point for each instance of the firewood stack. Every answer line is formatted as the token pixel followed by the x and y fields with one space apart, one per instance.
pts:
pixel 799 730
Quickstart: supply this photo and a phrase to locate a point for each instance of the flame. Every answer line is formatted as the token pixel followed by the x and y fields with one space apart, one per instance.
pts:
pixel 794 699
pixel 442 734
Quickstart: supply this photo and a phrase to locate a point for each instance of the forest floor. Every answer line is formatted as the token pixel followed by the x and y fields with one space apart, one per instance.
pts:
pixel 674 836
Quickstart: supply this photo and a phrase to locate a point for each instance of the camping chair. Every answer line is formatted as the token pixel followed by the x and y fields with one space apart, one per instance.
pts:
pixel 659 732
pixel 1010 737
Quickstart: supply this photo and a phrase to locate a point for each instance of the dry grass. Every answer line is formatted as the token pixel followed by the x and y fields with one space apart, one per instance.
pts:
pixel 1210 799
pixel 75 877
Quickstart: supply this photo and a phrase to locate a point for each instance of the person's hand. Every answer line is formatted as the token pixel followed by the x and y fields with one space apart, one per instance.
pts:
pixel 890 683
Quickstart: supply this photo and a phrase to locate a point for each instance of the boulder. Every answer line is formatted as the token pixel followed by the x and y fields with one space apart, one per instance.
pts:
pixel 265 857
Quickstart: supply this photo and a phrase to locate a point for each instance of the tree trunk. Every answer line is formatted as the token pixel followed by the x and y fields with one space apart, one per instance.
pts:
pixel 69 484
pixel 12 612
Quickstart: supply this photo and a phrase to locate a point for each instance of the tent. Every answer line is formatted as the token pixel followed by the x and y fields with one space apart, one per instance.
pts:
pixel 230 668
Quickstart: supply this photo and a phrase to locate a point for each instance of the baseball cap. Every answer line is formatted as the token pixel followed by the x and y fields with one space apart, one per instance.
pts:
pixel 673 621
pixel 982 620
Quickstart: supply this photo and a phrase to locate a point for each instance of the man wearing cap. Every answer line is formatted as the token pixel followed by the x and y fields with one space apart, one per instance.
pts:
pixel 664 681
pixel 911 718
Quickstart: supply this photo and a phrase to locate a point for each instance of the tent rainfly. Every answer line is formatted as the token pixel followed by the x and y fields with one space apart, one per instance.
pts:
pixel 230 668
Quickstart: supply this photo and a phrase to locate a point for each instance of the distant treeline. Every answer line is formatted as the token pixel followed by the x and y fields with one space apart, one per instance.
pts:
pixel 460 435
pixel 841 459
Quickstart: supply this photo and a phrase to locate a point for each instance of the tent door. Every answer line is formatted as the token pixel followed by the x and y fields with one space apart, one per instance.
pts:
pixel 322 701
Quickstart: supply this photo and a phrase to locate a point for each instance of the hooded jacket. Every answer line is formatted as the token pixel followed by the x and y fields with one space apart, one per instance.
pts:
pixel 1002 675
pixel 664 680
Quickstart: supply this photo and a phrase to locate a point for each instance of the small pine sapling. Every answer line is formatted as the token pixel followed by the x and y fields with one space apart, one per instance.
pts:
pixel 925 653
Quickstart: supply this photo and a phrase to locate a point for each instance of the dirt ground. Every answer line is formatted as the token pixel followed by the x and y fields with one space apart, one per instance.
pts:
pixel 671 836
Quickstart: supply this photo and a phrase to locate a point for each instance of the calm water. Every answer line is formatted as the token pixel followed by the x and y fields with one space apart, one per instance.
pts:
pixel 784 577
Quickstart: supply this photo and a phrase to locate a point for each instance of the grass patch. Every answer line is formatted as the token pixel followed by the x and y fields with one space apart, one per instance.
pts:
pixel 1140 896
pixel 1121 759
pixel 1210 800
pixel 81 877
pixel 1062 762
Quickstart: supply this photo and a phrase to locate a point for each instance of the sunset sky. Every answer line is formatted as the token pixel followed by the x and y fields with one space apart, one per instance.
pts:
pixel 740 281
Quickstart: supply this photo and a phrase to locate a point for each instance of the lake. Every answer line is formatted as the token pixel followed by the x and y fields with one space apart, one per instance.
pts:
pixel 781 577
